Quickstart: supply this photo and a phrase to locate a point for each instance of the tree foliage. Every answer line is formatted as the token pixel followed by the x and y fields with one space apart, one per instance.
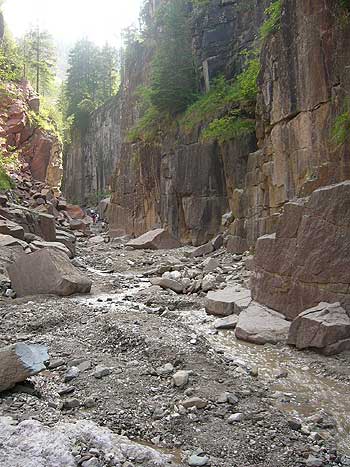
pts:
pixel 174 84
pixel 91 80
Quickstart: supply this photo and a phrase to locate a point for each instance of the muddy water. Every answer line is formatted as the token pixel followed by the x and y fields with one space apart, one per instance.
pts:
pixel 303 392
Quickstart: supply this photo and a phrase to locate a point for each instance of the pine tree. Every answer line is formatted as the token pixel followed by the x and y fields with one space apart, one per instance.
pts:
pixel 39 59
pixel 174 83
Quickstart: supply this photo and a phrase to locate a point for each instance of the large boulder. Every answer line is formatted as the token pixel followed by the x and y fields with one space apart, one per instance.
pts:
pixel 260 325
pixel 158 239
pixel 19 361
pixel 307 261
pixel 227 301
pixel 38 223
pixel 47 271
pixel 10 228
pixel 325 327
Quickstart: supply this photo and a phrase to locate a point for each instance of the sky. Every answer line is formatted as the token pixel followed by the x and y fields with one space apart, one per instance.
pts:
pixel 69 20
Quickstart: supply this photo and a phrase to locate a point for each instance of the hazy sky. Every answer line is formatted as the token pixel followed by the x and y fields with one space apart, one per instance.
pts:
pixel 69 20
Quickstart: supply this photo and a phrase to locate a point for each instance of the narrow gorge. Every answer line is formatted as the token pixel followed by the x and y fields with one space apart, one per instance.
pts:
pixel 175 239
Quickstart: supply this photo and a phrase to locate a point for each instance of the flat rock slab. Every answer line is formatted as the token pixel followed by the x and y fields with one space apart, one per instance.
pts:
pixel 227 301
pixel 19 361
pixel 56 245
pixel 165 283
pixel 230 322
pixel 261 325
pixel 158 239
pixel 47 271
pixel 325 327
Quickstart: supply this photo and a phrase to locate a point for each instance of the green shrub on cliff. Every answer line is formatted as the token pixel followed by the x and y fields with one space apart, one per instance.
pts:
pixel 229 127
pixel 273 21
pixel 341 129
pixel 228 106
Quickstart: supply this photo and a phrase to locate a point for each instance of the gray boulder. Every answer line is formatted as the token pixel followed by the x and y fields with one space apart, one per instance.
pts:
pixel 261 325
pixel 19 361
pixel 227 301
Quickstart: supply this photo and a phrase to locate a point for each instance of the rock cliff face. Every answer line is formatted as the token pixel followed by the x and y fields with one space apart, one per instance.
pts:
pixel 183 183
pixel 303 87
pixel 92 156
pixel 20 132
pixel 186 185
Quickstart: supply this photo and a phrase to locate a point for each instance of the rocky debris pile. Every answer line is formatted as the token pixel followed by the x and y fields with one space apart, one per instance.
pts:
pixel 325 327
pixel 69 444
pixel 19 361
pixel 34 217
pixel 48 271
pixel 307 261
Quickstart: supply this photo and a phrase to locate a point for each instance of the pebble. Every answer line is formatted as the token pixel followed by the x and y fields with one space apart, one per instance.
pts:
pixel 235 418
pixel 165 370
pixel 197 461
pixel 180 378
pixel 93 462
pixel 194 402
pixel 313 462
pixel 294 424
pixel 72 373
pixel 71 403
pixel 101 371
pixel 56 363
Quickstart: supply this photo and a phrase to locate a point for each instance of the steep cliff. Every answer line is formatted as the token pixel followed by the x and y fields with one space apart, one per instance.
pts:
pixel 187 184
pixel 184 183
pixel 304 84
pixel 91 157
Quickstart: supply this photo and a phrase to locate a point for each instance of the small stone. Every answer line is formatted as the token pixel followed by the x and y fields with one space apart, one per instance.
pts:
pixel 101 372
pixel 165 370
pixel 294 424
pixel 93 462
pixel 194 402
pixel 90 402
pixel 72 373
pixel 197 461
pixel 312 461
pixel 281 373
pixel 84 366
pixel 71 403
pixel 56 363
pixel 235 418
pixel 180 378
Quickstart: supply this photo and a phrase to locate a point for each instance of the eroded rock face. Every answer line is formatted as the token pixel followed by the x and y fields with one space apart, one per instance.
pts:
pixel 46 271
pixel 308 260
pixel 303 85
pixel 39 148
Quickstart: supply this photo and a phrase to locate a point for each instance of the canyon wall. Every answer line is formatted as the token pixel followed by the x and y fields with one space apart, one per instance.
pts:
pixel 187 185
pixel 91 157
pixel 304 84
pixel 183 183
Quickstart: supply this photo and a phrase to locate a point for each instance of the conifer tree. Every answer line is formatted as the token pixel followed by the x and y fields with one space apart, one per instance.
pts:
pixel 174 83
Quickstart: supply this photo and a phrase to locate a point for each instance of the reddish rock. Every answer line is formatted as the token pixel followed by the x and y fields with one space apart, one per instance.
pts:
pixel 227 301
pixel 46 271
pixel 325 327
pixel 157 239
pixel 237 245
pixel 73 211
pixel 308 261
